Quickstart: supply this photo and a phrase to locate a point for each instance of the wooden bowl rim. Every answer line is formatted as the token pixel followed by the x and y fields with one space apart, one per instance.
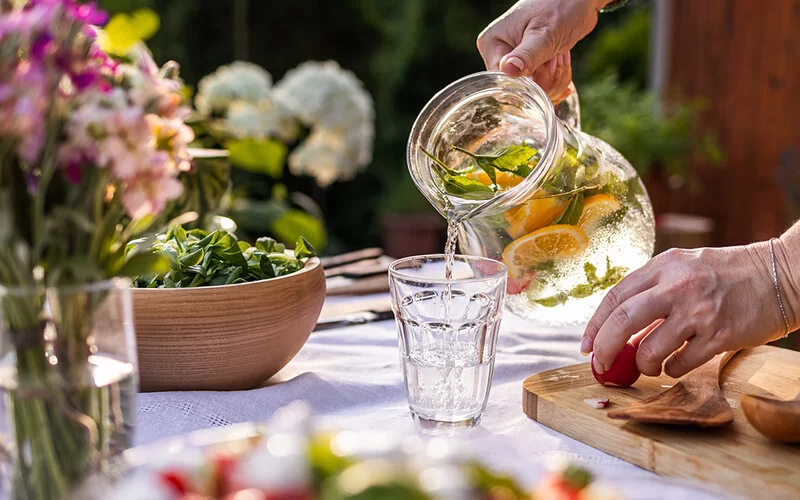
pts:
pixel 312 264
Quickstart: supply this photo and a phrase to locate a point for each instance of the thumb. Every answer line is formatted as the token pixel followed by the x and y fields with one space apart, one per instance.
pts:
pixel 534 50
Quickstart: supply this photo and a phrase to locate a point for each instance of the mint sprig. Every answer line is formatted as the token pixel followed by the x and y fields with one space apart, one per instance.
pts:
pixel 593 284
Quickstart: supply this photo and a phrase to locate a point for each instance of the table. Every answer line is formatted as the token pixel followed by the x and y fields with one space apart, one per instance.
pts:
pixel 351 378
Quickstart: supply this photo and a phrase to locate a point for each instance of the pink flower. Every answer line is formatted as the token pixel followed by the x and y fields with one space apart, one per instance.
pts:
pixel 148 195
pixel 24 104
pixel 85 13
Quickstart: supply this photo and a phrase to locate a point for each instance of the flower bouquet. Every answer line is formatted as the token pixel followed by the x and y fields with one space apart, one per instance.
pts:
pixel 91 149
pixel 318 120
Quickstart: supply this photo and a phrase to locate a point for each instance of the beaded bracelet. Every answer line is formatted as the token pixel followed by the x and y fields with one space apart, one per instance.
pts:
pixel 777 288
pixel 614 5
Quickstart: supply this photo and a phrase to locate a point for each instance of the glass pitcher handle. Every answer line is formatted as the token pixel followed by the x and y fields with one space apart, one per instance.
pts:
pixel 569 110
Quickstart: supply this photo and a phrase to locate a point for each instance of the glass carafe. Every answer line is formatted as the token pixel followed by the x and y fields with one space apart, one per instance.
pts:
pixel 562 209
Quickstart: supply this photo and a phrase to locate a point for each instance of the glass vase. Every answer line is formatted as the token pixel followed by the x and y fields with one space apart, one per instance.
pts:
pixel 69 382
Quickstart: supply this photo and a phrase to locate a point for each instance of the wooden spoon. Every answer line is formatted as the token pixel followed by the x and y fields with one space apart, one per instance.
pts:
pixel 778 420
pixel 696 400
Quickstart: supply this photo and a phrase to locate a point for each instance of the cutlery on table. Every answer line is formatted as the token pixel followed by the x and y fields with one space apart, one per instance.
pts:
pixel 358 318
pixel 357 273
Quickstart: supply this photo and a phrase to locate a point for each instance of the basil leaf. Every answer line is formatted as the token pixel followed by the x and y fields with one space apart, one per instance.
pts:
pixel 268 245
pixel 197 258
pixel 303 249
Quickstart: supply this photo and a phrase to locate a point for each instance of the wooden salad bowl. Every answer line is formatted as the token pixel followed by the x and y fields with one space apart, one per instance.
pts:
pixel 228 337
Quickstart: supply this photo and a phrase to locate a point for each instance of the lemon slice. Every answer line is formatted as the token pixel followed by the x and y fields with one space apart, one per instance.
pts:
pixel 595 208
pixel 558 242
pixel 505 180
pixel 534 214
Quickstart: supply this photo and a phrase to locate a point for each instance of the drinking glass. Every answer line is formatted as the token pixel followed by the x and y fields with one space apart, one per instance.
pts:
pixel 447 333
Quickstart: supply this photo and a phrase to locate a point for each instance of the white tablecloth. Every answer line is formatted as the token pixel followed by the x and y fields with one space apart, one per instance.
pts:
pixel 351 378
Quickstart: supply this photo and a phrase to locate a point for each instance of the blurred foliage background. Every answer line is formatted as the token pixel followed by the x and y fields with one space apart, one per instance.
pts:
pixel 405 51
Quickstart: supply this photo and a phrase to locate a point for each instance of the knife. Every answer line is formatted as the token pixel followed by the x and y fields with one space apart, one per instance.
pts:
pixel 354 319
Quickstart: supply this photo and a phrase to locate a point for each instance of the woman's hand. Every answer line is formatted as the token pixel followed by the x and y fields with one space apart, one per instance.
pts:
pixel 685 306
pixel 534 39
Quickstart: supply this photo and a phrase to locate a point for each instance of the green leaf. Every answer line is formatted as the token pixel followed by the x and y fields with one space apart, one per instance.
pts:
pixel 517 159
pixel 269 245
pixel 553 301
pixel 144 263
pixel 465 187
pixel 591 273
pixel 295 223
pixel 573 212
pixel 193 259
pixel 303 249
pixel 265 265
pixel 261 156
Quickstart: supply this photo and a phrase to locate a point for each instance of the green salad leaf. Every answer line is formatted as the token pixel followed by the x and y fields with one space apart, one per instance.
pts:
pixel 198 258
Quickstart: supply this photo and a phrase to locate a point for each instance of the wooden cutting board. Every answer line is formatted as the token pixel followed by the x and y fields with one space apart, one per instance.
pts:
pixel 736 457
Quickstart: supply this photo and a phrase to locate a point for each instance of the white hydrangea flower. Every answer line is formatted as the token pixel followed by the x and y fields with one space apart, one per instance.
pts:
pixel 268 118
pixel 239 81
pixel 323 155
pixel 334 103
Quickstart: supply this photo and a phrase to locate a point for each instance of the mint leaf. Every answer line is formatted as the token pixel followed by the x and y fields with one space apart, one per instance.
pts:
pixel 463 186
pixel 611 277
pixel 517 159
pixel 591 273
pixel 555 300
pixel 573 212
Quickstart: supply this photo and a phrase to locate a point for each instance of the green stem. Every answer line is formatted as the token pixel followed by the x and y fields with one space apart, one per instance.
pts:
pixel 571 192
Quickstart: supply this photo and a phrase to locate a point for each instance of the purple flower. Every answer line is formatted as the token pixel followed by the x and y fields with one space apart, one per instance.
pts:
pixel 86 13
pixel 73 172
pixel 89 13
pixel 41 45
pixel 84 80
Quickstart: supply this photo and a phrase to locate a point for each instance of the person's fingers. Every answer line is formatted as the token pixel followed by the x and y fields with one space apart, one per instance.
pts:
pixel 693 354
pixel 660 344
pixel 553 77
pixel 633 284
pixel 637 339
pixel 562 77
pixel 531 53
pixel 492 51
pixel 630 317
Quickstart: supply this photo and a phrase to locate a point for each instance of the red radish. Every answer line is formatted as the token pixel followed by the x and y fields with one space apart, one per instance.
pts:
pixel 623 371
pixel 177 481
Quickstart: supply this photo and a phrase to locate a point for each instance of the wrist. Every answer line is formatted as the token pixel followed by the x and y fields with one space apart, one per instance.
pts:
pixel 787 260
pixel 775 305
